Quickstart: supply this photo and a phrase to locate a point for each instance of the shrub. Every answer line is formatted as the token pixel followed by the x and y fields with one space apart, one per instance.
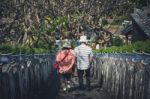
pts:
pixel 137 47
pixel 5 49
pixel 146 46
pixel 117 41
pixel 39 50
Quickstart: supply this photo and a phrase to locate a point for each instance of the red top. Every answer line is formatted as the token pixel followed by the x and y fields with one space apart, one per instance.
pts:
pixel 67 64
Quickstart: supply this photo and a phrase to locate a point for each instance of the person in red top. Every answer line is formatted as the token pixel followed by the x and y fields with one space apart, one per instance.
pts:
pixel 66 59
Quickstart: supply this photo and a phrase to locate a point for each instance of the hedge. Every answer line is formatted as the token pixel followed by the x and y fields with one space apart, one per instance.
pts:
pixel 9 49
pixel 138 47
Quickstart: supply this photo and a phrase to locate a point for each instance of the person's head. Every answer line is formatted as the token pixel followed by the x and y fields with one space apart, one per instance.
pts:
pixel 83 39
pixel 66 45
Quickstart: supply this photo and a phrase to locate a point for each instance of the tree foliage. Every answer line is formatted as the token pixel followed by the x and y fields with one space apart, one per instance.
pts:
pixel 28 22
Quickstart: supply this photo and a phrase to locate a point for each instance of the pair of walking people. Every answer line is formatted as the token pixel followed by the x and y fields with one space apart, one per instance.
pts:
pixel 67 57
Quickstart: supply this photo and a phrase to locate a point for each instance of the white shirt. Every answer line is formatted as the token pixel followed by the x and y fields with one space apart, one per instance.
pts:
pixel 83 54
pixel 97 46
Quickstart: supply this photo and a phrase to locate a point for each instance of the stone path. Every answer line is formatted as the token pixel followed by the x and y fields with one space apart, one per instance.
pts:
pixel 95 93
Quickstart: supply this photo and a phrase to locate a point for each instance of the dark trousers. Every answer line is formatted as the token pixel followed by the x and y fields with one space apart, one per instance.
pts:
pixel 80 76
pixel 66 77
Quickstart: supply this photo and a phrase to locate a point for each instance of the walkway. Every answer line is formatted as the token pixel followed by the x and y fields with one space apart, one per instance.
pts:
pixel 95 93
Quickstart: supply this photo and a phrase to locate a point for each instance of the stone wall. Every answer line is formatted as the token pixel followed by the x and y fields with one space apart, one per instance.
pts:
pixel 125 76
pixel 27 76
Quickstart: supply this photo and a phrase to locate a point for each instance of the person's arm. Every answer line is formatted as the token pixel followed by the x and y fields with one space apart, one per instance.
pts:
pixel 58 60
pixel 72 61
pixel 91 56
pixel 58 57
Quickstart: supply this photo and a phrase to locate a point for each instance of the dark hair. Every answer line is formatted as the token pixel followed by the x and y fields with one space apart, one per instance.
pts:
pixel 65 48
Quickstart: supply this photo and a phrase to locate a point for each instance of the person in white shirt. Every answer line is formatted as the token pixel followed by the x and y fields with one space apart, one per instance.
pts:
pixel 84 56
pixel 97 46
